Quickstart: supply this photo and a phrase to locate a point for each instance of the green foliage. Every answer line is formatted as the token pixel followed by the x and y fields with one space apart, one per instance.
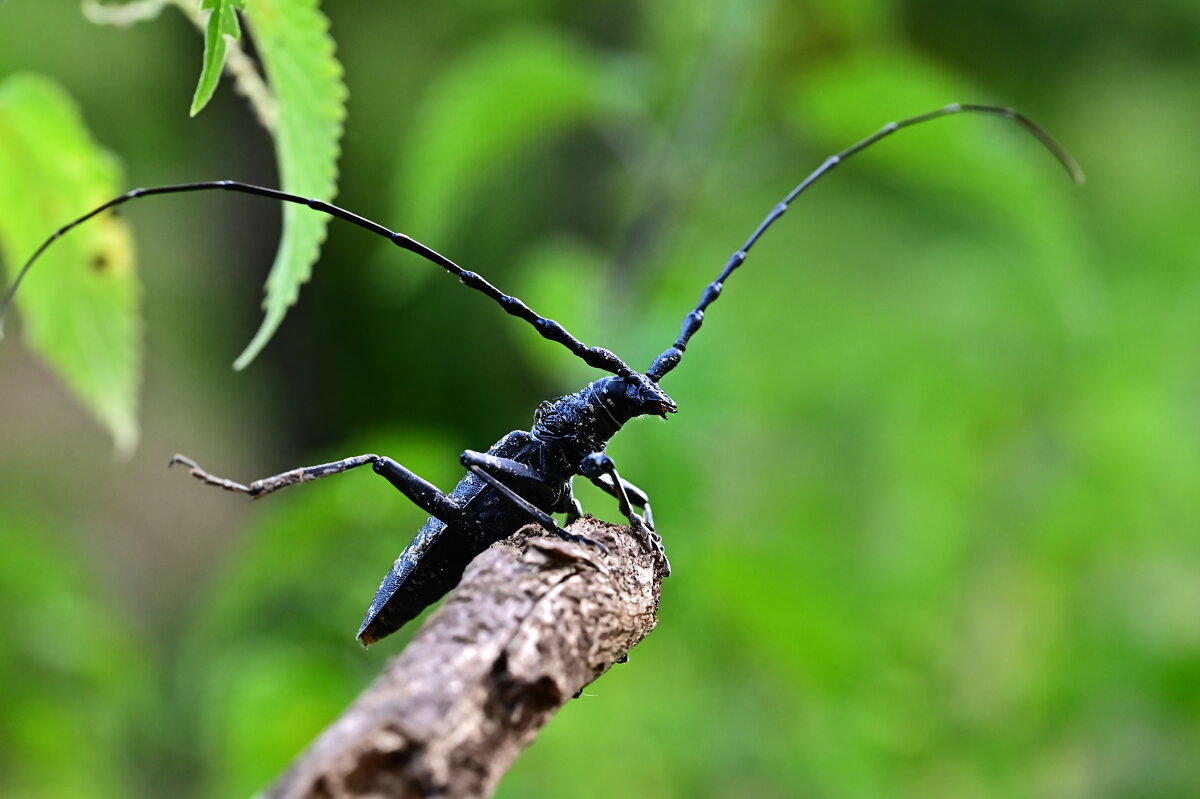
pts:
pixel 80 310
pixel 222 22
pixel 75 681
pixel 490 108
pixel 297 53
pixel 84 319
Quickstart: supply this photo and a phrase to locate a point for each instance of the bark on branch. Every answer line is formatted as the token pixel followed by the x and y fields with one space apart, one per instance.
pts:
pixel 533 621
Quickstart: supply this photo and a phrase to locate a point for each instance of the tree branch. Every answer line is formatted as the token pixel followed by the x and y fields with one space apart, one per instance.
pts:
pixel 533 621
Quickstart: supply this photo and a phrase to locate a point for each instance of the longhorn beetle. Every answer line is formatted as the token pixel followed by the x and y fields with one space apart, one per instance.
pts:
pixel 525 476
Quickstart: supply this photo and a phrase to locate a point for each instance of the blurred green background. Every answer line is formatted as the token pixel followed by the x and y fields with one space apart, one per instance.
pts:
pixel 931 496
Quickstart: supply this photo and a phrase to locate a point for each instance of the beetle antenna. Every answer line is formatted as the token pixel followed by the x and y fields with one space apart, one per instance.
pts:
pixel 597 357
pixel 670 357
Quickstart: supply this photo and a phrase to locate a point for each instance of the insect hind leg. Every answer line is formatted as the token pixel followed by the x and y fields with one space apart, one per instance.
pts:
pixel 269 485
pixel 423 494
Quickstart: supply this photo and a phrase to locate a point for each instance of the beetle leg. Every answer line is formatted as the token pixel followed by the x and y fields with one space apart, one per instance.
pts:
pixel 636 495
pixel 598 465
pixel 535 513
pixel 424 494
pixel 571 506
pixel 515 473
pixel 268 485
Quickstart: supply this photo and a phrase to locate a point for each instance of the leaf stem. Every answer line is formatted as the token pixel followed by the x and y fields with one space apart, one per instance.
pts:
pixel 122 15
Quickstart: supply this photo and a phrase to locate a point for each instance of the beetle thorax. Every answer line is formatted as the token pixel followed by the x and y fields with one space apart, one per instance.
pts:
pixel 591 416
pixel 579 419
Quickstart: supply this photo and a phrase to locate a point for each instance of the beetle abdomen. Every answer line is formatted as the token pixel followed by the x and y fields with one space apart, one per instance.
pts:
pixel 425 571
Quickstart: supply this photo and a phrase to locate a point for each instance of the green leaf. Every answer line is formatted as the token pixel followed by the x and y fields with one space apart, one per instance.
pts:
pixel 80 306
pixel 500 100
pixel 297 52
pixel 222 22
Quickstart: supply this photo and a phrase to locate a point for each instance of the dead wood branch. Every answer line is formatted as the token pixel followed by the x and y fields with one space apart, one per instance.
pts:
pixel 533 621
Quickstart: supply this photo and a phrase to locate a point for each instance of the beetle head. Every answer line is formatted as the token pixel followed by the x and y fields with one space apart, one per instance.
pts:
pixel 632 395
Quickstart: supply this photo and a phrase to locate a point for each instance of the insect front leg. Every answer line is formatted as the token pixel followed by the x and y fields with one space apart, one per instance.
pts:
pixel 598 466
pixel 491 468
pixel 635 495
pixel 424 494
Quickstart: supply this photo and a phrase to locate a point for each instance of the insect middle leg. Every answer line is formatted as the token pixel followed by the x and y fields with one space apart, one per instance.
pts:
pixel 491 468
pixel 423 494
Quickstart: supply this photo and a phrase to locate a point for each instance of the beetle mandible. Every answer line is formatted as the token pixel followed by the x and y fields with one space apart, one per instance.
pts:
pixel 525 476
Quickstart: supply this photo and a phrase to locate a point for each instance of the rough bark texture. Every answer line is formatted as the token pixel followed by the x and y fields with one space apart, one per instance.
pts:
pixel 533 621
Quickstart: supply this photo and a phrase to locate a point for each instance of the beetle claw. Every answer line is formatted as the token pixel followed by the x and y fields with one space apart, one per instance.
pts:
pixel 651 540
